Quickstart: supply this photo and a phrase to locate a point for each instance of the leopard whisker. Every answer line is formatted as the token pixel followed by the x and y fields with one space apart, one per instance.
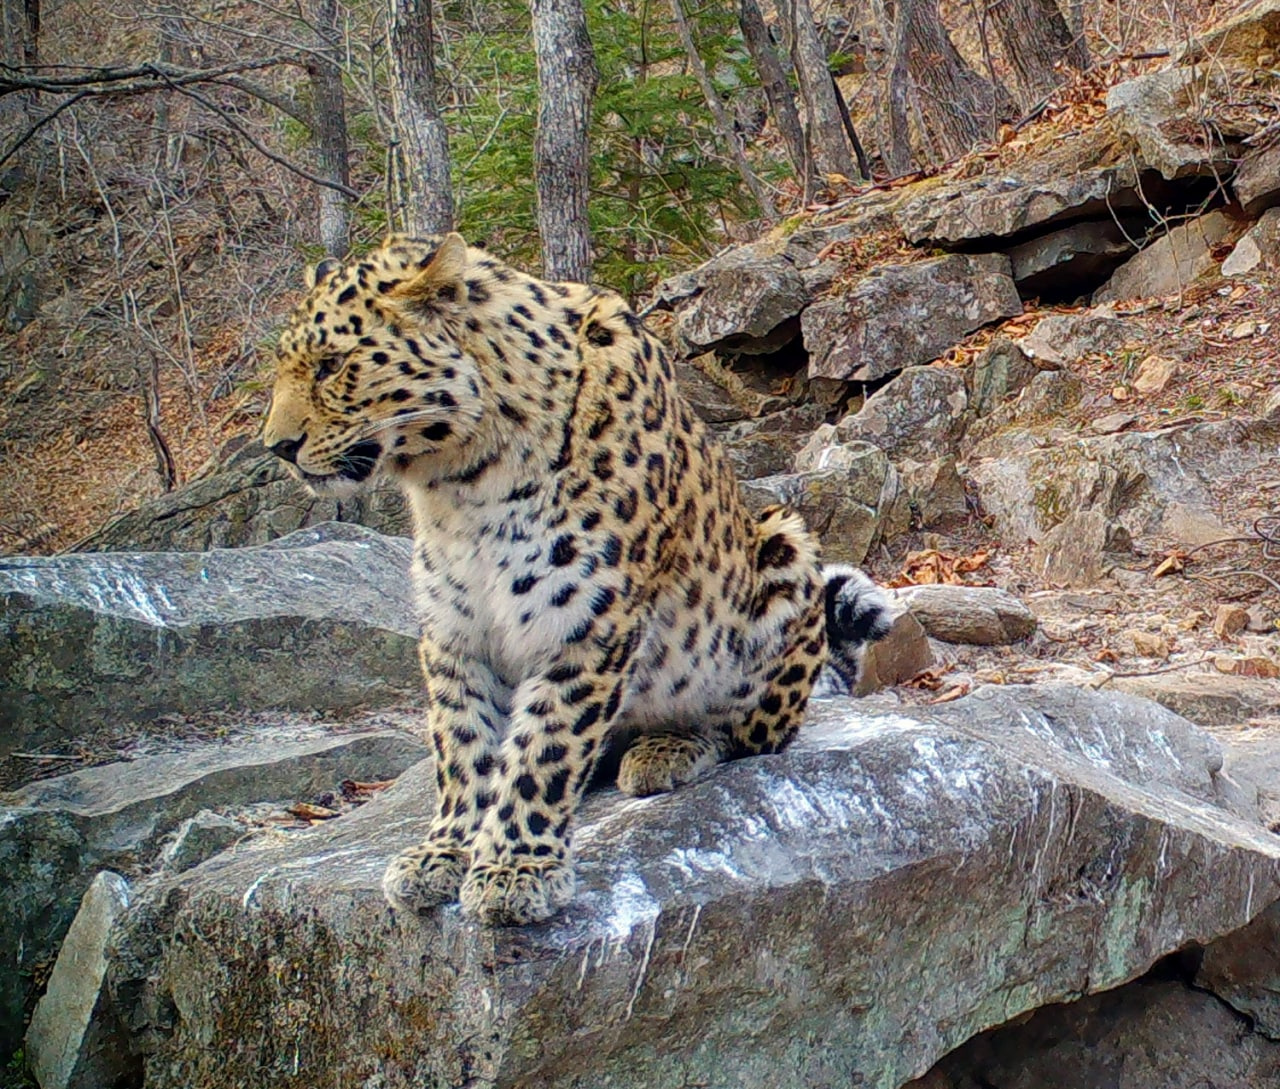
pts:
pixel 378 426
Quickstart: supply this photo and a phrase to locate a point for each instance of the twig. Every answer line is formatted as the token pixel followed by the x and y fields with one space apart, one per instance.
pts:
pixel 1236 574
pixel 1111 675
pixel 315 179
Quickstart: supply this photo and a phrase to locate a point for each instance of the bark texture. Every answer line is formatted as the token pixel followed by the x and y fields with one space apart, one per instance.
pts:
pixel 958 106
pixel 1038 44
pixel 782 101
pixel 827 141
pixel 567 79
pixel 425 191
pixel 724 127
pixel 329 127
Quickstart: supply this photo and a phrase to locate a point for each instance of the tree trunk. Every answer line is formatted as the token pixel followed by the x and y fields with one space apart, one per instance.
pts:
pixel 782 102
pixel 567 80
pixel 897 152
pixel 425 194
pixel 724 127
pixel 19 47
pixel 1035 38
pixel 960 107
pixel 329 127
pixel 827 141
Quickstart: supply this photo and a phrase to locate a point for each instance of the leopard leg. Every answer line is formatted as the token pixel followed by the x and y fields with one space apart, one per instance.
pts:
pixel 522 867
pixel 466 731
pixel 659 762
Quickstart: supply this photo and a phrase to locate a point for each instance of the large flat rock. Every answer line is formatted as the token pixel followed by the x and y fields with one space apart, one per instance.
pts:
pixel 845 913
pixel 321 619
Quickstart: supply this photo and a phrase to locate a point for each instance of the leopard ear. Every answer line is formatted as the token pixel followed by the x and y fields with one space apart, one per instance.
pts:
pixel 317 274
pixel 442 275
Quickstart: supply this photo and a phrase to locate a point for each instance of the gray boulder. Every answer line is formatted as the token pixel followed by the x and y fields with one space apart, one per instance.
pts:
pixel 845 913
pixel 1172 263
pixel 919 414
pixel 1153 110
pixel 845 505
pixel 982 615
pixel 999 373
pixel 746 299
pixel 250 500
pixel 56 834
pixel 319 620
pixel 902 315
pixel 1065 339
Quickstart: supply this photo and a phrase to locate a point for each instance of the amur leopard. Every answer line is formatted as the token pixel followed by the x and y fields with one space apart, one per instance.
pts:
pixel 592 589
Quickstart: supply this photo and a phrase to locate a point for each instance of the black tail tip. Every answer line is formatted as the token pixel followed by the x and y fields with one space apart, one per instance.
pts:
pixel 857 609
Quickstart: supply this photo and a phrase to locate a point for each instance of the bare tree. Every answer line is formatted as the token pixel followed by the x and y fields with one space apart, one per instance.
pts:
pixel 567 79
pixel 1037 43
pixel 958 107
pixel 897 152
pixel 827 143
pixel 782 102
pixel 724 127
pixel 425 193
pixel 329 127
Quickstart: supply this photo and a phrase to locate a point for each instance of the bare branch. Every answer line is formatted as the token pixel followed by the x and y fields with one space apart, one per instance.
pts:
pixel 262 149
pixel 140 79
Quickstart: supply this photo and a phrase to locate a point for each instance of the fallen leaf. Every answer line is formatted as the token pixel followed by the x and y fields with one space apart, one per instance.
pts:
pixel 307 812
pixel 1257 666
pixel 1173 563
pixel 351 789
pixel 952 693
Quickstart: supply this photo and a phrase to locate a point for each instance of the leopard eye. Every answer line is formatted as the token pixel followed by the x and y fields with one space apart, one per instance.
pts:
pixel 330 364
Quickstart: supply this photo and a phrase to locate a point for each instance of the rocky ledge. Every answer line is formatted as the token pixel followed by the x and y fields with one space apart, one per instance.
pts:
pixel 846 913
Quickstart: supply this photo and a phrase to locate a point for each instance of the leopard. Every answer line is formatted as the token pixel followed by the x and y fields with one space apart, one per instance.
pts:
pixel 592 588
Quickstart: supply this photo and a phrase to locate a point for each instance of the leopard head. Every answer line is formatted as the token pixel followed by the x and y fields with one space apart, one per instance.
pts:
pixel 371 373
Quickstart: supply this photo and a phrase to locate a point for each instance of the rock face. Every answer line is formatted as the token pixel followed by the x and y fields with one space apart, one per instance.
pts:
pixel 1159 1034
pixel 844 505
pixel 57 833
pixel 920 414
pixel 319 620
pixel 250 501
pixel 1172 263
pixel 73 1042
pixel 845 913
pixel 902 315
pixel 1146 482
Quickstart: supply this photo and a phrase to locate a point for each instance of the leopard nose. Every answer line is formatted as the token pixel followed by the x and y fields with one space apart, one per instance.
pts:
pixel 288 448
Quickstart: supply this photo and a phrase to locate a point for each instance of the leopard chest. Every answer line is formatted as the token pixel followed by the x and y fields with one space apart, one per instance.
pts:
pixel 510 584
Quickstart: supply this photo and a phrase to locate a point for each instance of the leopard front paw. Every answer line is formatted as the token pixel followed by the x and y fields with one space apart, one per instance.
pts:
pixel 515 891
pixel 425 876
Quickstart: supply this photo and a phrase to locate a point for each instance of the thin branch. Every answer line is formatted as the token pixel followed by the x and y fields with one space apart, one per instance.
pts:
pixel 151 76
pixel 280 160
pixel 40 123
